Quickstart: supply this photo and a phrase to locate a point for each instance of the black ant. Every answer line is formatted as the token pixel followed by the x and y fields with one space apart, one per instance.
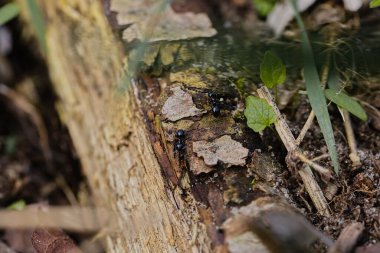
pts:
pixel 214 98
pixel 179 145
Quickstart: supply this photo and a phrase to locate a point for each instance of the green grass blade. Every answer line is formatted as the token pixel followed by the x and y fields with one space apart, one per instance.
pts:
pixel 346 102
pixel 315 93
pixel 8 12
pixel 38 23
pixel 336 95
pixel 334 79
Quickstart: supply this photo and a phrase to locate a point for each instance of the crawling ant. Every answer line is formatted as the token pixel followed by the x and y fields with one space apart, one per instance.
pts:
pixel 179 145
pixel 215 101
pixel 180 134
pixel 214 98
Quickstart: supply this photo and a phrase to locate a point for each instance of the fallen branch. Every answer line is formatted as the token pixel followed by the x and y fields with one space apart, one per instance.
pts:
pixel 76 219
pixel 289 141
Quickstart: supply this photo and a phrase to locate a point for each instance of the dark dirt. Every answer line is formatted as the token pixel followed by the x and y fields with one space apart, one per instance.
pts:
pixel 26 172
pixel 357 193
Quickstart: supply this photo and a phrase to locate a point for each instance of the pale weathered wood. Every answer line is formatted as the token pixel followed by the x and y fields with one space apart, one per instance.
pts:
pixel 85 63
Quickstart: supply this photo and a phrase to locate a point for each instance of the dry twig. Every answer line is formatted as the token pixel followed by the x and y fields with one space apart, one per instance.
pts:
pixel 79 219
pixel 306 174
pixel 351 139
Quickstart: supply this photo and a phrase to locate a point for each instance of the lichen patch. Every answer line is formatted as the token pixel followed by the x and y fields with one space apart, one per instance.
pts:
pixel 223 149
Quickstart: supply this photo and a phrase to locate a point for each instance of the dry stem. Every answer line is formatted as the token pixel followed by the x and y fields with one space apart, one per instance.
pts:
pixel 79 219
pixel 306 174
pixel 317 167
pixel 305 127
pixel 351 139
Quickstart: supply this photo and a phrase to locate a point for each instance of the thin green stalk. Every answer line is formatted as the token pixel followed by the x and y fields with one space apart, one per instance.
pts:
pixel 38 23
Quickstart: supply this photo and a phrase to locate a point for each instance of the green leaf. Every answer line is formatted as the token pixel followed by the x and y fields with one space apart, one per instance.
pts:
pixel 347 103
pixel 8 12
pixel 315 93
pixel 272 70
pixel 374 3
pixel 259 114
pixel 263 7
pixel 18 205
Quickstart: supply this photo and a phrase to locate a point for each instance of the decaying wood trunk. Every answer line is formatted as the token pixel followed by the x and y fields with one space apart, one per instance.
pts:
pixel 85 63
pixel 163 200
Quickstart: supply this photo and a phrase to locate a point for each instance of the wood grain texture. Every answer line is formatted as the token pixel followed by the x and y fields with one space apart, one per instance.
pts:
pixel 85 64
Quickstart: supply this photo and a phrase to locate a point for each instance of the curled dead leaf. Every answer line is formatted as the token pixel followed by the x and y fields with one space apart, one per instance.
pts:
pixel 270 225
pixel 223 149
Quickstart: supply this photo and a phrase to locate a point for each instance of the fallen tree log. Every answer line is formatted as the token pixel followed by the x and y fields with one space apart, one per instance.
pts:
pixel 169 192
pixel 85 63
